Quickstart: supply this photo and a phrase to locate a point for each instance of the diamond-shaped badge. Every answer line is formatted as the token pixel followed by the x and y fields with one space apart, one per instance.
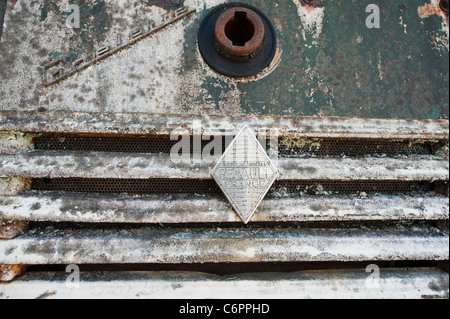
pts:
pixel 245 173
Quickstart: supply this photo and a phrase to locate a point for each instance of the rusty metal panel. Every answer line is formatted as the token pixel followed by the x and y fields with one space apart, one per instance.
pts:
pixel 352 96
pixel 328 61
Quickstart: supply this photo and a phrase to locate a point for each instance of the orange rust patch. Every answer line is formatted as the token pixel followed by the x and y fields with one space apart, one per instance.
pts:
pixel 429 9
pixel 8 272
pixel 309 8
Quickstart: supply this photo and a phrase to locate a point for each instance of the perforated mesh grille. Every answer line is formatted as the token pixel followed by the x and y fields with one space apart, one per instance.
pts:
pixel 137 144
pixel 282 188
pixel 351 148
pixel 150 144
pixel 279 188
pixel 286 148
pixel 132 186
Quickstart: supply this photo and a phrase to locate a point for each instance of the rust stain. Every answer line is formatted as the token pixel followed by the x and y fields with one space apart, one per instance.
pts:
pixel 12 229
pixel 311 5
pixel 9 272
pixel 309 8
pixel 429 9
pixel 13 3
pixel 240 44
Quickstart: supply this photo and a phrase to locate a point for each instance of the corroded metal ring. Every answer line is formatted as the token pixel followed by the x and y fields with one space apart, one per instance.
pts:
pixel 237 40
pixel 239 31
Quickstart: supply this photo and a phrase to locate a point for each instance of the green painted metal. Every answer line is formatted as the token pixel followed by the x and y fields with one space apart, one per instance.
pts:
pixel 329 62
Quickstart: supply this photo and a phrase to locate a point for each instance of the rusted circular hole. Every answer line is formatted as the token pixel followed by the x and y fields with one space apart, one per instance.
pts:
pixel 239 29
pixel 237 40
pixel 239 32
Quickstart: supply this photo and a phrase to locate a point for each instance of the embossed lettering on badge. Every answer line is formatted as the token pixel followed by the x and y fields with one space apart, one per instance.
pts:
pixel 245 173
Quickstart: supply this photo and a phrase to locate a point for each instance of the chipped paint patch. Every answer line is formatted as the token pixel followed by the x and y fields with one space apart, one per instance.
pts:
pixel 330 284
pixel 12 143
pixel 202 81
pixel 267 71
pixel 248 252
pixel 403 24
pixel 10 186
pixel 10 229
pixel 154 77
pixel 429 9
pixel 439 39
pixel 229 245
pixel 380 67
pixel 9 272
pixel 312 20
pixel 281 207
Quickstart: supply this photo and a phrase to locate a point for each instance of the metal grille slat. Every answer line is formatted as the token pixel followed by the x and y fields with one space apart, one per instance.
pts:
pixel 213 209
pixel 160 245
pixel 164 124
pixel 111 195
pixel 95 165
pixel 396 284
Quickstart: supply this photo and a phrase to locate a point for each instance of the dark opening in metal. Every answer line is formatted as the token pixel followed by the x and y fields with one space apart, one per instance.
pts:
pixel 201 187
pixel 443 4
pixel 2 15
pixel 312 3
pixel 239 30
pixel 287 147
pixel 237 40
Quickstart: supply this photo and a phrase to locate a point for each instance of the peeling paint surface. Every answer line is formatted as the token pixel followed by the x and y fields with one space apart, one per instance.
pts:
pixel 396 284
pixel 212 209
pixel 97 165
pixel 328 62
pixel 331 78
pixel 8 272
pixel 162 124
pixel 13 185
pixel 147 245
pixel 312 20
pixel 11 143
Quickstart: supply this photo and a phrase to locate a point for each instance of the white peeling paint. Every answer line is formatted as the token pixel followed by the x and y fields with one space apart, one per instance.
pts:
pixel 312 21
pixel 331 284
pixel 148 245
pixel 380 67
pixel 249 252
pixel 163 209
pixel 403 24
pixel 440 38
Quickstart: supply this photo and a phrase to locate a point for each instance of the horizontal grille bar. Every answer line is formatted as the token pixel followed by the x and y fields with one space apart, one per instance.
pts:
pixel 214 209
pixel 102 190
pixel 411 283
pixel 94 165
pixel 162 124
pixel 162 245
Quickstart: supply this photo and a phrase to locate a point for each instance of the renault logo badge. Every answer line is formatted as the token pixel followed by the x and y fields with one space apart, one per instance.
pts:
pixel 245 173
